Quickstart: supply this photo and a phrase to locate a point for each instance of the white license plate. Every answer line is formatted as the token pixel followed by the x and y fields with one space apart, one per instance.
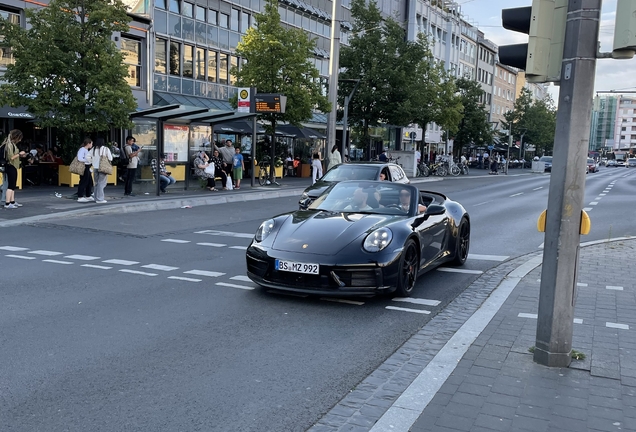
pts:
pixel 296 267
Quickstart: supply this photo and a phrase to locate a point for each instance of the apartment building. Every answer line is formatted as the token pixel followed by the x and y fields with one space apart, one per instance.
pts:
pixel 604 113
pixel 503 93
pixel 624 125
pixel 486 70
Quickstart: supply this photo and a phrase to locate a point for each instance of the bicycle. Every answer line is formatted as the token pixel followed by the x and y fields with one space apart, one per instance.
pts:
pixel 263 172
pixel 453 169
pixel 438 169
pixel 422 170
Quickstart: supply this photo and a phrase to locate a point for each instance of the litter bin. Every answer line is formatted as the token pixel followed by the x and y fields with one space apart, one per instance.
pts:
pixel 538 167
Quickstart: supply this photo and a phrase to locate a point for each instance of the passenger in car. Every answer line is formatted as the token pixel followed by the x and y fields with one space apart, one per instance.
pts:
pixel 359 201
pixel 405 202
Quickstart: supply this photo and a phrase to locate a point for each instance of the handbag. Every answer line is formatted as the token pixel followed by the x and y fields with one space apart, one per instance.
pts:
pixel 77 167
pixel 228 183
pixel 209 169
pixel 105 167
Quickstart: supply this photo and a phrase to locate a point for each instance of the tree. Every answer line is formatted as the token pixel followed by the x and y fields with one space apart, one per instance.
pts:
pixel 279 61
pixel 474 126
pixel 68 72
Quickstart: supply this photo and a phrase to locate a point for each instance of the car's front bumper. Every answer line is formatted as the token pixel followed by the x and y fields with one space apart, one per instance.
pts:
pixel 353 278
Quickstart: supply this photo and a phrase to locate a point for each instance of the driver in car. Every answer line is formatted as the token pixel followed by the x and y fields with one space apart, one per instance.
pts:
pixel 405 202
pixel 359 201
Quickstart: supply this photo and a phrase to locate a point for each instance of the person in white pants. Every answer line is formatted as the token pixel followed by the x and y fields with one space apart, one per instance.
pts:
pixel 100 149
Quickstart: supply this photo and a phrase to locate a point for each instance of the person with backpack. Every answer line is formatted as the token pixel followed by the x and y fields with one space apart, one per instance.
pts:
pixel 10 161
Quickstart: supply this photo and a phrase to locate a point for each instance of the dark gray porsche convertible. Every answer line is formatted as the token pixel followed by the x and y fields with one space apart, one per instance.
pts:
pixel 360 238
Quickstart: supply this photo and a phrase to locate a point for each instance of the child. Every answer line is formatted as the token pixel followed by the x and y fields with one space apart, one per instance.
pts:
pixel 238 167
pixel 316 168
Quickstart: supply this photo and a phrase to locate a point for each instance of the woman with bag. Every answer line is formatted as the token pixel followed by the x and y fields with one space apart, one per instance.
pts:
pixel 219 166
pixel 334 157
pixel 85 188
pixel 204 169
pixel 12 162
pixel 102 158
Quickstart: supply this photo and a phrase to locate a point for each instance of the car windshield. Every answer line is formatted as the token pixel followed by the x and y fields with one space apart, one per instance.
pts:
pixel 546 159
pixel 590 161
pixel 351 172
pixel 368 197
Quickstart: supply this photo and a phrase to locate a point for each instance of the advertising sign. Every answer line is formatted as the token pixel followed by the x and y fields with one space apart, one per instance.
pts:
pixel 175 142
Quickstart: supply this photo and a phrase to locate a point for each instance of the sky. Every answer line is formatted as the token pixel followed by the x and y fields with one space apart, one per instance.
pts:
pixel 610 74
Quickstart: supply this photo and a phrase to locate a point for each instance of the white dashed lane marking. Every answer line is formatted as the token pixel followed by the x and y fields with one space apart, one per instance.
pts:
pixel 13 248
pixel 82 257
pixel 159 267
pixel 517 194
pixel 241 278
pixel 226 234
pixel 95 266
pixel 395 308
pixel 234 286
pixel 175 241
pixel 419 301
pixel 581 284
pixel 337 300
pixel 615 288
pixel 138 272
pixel 535 189
pixel 20 257
pixel 458 270
pixel 185 279
pixel 120 262
pixel 488 257
pixel 594 203
pixel 204 273
pixel 617 326
pixel 587 209
pixel 239 247
pixel 45 253
pixel 57 261
pixel 218 245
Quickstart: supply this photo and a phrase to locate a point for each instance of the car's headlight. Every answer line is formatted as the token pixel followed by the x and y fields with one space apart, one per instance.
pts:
pixel 378 240
pixel 264 230
pixel 305 195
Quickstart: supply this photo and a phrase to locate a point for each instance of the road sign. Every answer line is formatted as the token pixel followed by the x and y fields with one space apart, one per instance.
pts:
pixel 244 100
pixel 490 147
pixel 270 103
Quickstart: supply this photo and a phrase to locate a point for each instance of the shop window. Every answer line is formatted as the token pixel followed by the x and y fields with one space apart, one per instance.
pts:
pixel 175 58
pixel 131 50
pixel 161 63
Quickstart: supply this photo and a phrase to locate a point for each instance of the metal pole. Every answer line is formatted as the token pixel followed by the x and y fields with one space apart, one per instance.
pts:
pixel 345 127
pixel 253 168
pixel 522 149
pixel 567 185
pixel 334 67
pixel 509 145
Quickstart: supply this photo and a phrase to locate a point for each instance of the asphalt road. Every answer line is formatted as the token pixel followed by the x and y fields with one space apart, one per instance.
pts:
pixel 145 321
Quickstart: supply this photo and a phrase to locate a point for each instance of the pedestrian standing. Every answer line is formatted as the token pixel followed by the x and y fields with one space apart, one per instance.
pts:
pixel 97 152
pixel 227 153
pixel 132 153
pixel 238 167
pixel 85 188
pixel 334 157
pixel 12 163
pixel 316 168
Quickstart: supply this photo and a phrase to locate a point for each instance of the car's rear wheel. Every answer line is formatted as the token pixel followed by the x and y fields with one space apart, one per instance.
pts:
pixel 462 243
pixel 409 265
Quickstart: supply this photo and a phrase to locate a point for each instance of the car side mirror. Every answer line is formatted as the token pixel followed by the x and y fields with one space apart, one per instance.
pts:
pixel 435 209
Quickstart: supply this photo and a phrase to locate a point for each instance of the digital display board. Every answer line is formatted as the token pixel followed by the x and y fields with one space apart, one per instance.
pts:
pixel 270 103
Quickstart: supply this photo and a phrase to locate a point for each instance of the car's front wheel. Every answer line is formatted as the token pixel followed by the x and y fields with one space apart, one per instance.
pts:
pixel 462 244
pixel 409 265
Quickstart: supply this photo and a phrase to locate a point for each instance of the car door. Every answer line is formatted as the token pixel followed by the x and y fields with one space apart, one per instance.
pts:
pixel 432 231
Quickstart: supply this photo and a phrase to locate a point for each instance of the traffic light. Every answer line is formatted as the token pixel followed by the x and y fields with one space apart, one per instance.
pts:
pixel 544 23
pixel 624 31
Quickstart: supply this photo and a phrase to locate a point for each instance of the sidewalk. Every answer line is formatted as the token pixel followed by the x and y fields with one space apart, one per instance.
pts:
pixel 470 369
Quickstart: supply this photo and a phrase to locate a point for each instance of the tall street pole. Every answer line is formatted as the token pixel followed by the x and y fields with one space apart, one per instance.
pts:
pixel 334 67
pixel 567 185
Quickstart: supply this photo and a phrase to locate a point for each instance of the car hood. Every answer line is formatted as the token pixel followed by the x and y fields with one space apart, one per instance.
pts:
pixel 317 188
pixel 324 233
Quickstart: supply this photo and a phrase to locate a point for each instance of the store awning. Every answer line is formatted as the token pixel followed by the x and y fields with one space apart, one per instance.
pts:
pixel 190 114
pixel 300 132
pixel 19 113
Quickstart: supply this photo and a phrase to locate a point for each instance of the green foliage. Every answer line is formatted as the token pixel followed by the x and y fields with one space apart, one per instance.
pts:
pixel 537 121
pixel 400 83
pixel 577 355
pixel 68 72
pixel 474 126
pixel 279 61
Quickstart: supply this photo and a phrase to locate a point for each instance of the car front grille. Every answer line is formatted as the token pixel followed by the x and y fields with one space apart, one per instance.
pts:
pixel 360 278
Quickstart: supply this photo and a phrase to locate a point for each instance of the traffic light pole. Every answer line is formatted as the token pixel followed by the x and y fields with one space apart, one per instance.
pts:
pixel 567 185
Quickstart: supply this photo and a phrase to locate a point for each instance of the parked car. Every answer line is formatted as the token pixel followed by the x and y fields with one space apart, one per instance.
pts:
pixel 592 166
pixel 631 163
pixel 352 171
pixel 360 238
pixel 621 163
pixel 547 160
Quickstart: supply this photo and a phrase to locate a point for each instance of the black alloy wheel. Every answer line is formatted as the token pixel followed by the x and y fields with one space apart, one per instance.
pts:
pixel 463 243
pixel 409 266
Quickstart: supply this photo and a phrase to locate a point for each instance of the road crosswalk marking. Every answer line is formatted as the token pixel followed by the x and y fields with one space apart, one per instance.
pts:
pixel 45 253
pixel 187 279
pixel 21 257
pixel 159 267
pixel 82 257
pixel 138 272
pixel 458 270
pixel 234 286
pixel 488 257
pixel 13 248
pixel 175 241
pixel 419 301
pixel 226 234
pixel 419 311
pixel 120 262
pixel 56 261
pixel 204 273
pixel 97 266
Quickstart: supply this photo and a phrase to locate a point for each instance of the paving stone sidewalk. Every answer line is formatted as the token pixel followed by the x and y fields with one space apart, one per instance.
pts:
pixel 496 385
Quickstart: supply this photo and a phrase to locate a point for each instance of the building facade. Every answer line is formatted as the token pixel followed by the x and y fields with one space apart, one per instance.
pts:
pixel 503 93
pixel 602 128
pixel 486 70
pixel 624 125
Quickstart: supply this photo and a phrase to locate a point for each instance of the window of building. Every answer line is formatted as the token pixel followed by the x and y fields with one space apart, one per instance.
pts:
pixel 234 20
pixel 174 6
pixel 161 63
pixel 131 50
pixel 160 4
pixel 213 17
pixel 212 64
pixel 7 57
pixel 188 9
pixel 200 13
pixel 175 58
pixel 188 57
pixel 200 64
pixel 234 64
pixel 245 22
pixel 623 128
pixel 223 72
pixel 224 20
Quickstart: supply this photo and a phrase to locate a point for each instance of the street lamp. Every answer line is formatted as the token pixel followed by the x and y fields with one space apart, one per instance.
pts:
pixel 345 117
pixel 334 67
